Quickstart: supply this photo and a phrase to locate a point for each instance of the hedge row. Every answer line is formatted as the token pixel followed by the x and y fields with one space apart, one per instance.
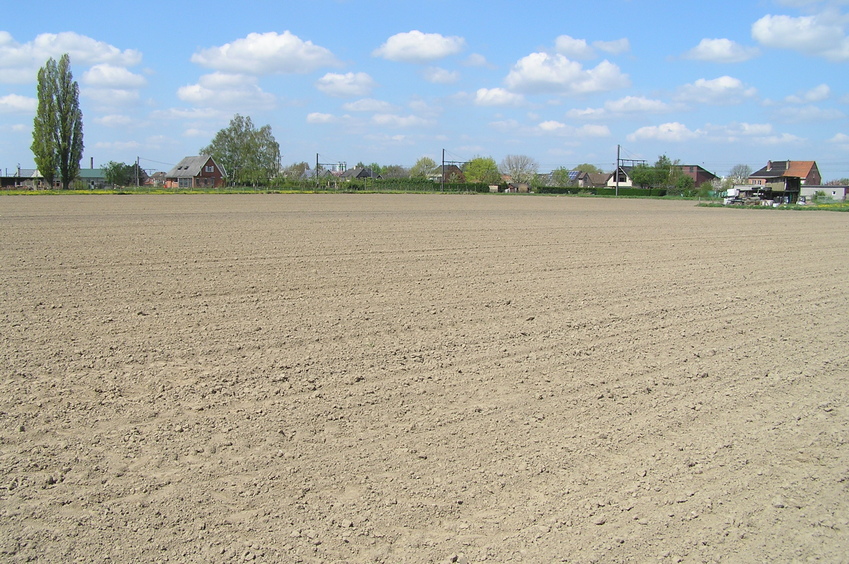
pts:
pixel 623 191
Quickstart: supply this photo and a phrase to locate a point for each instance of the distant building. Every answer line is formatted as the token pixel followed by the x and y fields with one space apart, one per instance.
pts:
pixel 835 193
pixel 698 174
pixel 783 180
pixel 775 172
pixel 195 172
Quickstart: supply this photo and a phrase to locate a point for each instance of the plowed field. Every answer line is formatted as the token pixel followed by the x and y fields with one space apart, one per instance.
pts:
pixel 389 378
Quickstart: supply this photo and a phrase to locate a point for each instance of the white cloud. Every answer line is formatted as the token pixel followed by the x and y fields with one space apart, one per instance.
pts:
pixel 392 120
pixel 105 75
pixel 117 145
pixel 223 90
pixel 15 104
pixel 562 129
pixel 749 134
pixel 594 131
pixel 266 53
pixel 111 97
pixel 743 129
pixel 114 120
pixel 541 73
pixel 573 48
pixel 368 105
pixel 19 62
pixel 615 47
pixel 820 35
pixel 815 94
pixel 201 114
pixel 783 139
pixel 497 97
pixel 438 75
pixel 621 107
pixel 196 132
pixel 674 131
pixel 344 85
pixel 721 51
pixel 840 139
pixel 724 90
pixel 552 126
pixel 505 125
pixel 636 104
pixel 477 60
pixel 808 114
pixel 417 47
pixel 317 117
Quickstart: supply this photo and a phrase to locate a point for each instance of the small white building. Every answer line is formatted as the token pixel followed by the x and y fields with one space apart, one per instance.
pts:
pixel 836 193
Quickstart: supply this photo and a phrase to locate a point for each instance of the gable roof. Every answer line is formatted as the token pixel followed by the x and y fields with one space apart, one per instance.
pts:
pixel 91 174
pixel 359 172
pixel 779 169
pixel 800 169
pixel 190 167
pixel 599 178
pixel 699 168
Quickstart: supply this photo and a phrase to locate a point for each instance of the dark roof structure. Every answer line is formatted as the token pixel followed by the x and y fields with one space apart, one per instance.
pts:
pixel 191 167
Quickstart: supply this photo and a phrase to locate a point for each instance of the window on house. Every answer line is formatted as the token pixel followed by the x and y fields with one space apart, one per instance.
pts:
pixel 209 169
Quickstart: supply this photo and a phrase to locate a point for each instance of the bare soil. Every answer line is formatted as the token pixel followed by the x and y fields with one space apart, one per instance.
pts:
pixel 390 378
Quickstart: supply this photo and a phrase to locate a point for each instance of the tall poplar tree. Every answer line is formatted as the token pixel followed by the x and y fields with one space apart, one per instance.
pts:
pixel 57 133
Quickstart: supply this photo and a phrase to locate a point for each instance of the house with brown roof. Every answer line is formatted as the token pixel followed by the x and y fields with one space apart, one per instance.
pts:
pixel 698 174
pixel 783 180
pixel 196 172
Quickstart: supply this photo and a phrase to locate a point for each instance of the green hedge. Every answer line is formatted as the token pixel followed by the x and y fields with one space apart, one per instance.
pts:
pixel 623 191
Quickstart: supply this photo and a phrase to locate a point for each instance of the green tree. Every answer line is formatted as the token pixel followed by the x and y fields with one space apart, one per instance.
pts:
pixel 707 190
pixel 482 170
pixel 250 156
pixel 121 174
pixel 57 133
pixel 295 171
pixel 665 173
pixel 589 168
pixel 561 177
pixel 684 186
pixel 395 171
pixel 520 168
pixel 644 176
pixel 425 167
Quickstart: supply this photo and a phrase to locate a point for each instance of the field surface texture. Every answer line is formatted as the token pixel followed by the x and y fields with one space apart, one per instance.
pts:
pixel 399 378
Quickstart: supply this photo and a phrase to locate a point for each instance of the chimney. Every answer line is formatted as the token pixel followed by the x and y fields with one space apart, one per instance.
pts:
pixel 769 166
pixel 92 162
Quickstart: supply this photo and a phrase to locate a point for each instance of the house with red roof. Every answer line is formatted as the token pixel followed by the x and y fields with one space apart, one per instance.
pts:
pixel 783 180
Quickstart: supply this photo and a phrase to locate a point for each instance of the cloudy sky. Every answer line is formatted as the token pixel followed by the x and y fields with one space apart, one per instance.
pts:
pixel 715 83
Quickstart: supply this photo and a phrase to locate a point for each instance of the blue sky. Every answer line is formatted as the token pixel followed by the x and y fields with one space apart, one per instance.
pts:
pixel 715 83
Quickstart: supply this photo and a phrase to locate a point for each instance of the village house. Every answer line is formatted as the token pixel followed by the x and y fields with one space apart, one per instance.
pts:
pixel 621 178
pixel 783 180
pixel 358 173
pixel 698 174
pixel 196 172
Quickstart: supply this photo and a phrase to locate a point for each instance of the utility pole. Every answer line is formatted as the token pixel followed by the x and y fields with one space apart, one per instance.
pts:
pixel 442 177
pixel 444 162
pixel 617 170
pixel 317 164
